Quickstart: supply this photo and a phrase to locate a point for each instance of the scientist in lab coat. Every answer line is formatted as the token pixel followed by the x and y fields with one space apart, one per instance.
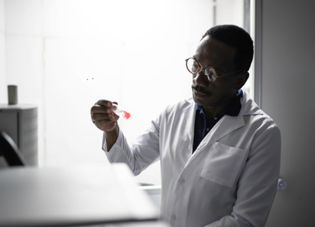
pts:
pixel 219 152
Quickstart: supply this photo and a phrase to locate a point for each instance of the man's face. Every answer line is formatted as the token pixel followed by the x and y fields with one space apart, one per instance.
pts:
pixel 219 56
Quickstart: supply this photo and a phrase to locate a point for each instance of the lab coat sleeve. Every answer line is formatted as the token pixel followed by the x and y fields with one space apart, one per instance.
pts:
pixel 140 154
pixel 257 185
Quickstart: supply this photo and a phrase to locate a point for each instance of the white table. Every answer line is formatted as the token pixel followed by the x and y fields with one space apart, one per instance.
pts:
pixel 59 196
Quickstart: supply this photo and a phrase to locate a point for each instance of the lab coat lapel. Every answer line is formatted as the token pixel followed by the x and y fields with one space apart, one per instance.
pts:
pixel 226 125
pixel 190 121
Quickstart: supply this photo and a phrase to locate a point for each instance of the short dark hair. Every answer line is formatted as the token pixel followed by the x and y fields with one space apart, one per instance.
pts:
pixel 237 37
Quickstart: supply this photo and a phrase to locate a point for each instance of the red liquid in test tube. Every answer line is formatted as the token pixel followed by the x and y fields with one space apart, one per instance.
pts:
pixel 120 111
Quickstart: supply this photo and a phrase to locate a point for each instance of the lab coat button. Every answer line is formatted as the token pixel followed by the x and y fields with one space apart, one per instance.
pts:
pixel 189 147
pixel 173 217
pixel 182 181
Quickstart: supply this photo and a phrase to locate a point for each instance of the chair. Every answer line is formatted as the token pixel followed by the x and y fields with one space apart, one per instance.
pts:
pixel 10 151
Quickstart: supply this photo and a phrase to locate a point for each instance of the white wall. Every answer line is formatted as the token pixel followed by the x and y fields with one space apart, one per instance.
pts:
pixel 55 47
pixel 64 55
pixel 3 85
pixel 288 57
pixel 113 51
pixel 230 12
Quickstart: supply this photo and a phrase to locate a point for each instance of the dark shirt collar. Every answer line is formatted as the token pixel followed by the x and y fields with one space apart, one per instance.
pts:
pixel 203 125
pixel 232 110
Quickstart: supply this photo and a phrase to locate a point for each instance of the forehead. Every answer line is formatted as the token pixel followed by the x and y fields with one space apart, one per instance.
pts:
pixel 212 52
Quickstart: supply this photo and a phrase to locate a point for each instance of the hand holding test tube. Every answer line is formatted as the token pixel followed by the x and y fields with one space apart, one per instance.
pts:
pixel 120 111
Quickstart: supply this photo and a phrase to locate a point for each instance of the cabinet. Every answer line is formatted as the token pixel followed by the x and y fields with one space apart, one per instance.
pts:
pixel 21 124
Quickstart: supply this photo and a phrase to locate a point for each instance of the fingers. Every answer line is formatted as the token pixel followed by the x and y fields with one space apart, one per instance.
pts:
pixel 103 116
pixel 100 115
pixel 105 122
pixel 100 109
pixel 102 106
pixel 103 102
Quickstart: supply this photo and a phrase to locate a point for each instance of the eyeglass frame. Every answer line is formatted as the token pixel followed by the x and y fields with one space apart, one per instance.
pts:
pixel 214 77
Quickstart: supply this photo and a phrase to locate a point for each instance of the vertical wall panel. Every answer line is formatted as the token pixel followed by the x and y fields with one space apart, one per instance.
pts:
pixel 24 66
pixel 288 56
pixel 24 55
pixel 3 85
pixel 2 15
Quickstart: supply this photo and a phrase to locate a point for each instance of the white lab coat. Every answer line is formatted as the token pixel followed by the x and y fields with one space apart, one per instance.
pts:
pixel 231 178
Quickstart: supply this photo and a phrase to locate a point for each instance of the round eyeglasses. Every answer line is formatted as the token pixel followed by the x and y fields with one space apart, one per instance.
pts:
pixel 194 67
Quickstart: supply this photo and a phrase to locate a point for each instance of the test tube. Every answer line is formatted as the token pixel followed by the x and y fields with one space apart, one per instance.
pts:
pixel 120 111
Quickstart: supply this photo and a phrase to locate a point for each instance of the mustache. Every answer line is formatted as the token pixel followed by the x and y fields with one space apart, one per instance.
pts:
pixel 200 89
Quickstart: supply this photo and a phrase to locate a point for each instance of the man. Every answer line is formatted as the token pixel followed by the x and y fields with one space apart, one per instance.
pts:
pixel 219 152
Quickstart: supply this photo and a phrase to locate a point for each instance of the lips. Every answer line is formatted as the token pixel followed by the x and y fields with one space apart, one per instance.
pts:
pixel 199 94
pixel 199 91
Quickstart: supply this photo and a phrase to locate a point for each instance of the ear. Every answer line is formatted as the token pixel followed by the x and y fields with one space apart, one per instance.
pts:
pixel 241 80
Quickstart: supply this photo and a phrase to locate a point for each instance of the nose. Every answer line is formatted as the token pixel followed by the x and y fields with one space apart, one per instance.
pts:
pixel 200 79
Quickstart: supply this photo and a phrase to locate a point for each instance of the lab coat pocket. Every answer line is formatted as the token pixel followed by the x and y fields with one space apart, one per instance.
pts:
pixel 222 164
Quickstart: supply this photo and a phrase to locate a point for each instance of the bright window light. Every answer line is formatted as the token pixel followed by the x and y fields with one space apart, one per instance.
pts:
pixel 132 52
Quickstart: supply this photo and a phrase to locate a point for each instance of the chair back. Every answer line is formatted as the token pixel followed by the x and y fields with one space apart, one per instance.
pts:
pixel 10 151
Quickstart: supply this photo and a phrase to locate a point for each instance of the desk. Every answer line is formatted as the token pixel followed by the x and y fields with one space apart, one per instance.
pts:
pixel 60 196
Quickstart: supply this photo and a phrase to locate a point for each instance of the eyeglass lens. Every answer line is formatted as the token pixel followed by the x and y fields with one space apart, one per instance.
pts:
pixel 194 67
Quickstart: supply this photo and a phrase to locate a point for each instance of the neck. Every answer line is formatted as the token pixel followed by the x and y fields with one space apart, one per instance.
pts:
pixel 212 111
